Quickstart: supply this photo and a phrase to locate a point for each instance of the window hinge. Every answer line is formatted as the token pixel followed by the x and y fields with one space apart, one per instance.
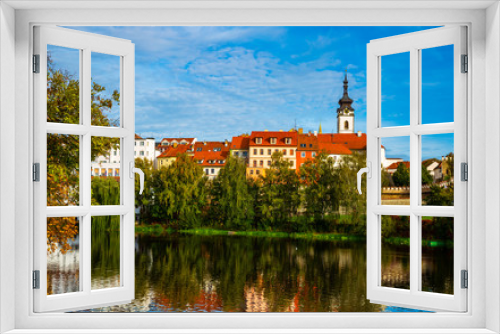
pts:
pixel 465 64
pixel 36 172
pixel 36 63
pixel 464 171
pixel 36 279
pixel 465 279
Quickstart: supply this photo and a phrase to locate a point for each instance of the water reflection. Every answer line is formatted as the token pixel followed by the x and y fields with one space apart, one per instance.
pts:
pixel 186 273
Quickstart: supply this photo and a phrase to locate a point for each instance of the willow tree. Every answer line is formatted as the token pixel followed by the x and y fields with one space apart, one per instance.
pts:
pixel 181 192
pixel 321 189
pixel 231 201
pixel 280 197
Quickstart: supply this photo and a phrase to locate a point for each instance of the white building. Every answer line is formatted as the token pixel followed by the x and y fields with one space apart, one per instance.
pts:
pixel 109 165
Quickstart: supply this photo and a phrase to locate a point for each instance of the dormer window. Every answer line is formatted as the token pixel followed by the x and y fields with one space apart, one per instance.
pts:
pixel 273 140
pixel 200 161
pixel 217 149
pixel 198 149
pixel 288 141
pixel 258 140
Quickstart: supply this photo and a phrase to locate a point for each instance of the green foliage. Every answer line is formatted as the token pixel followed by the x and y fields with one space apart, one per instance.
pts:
pixel 280 197
pixel 181 191
pixel 440 196
pixel 231 204
pixel 426 176
pixel 401 176
pixel 321 187
pixel 386 178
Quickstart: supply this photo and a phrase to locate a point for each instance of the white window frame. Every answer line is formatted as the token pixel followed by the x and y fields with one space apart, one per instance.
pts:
pixel 484 103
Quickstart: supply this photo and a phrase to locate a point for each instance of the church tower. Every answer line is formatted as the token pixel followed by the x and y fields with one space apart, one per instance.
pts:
pixel 345 112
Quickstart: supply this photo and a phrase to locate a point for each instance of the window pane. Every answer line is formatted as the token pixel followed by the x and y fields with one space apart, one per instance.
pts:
pixel 63 166
pixel 105 252
pixel 106 171
pixel 63 258
pixel 395 172
pixel 395 262
pixel 438 169
pixel 395 90
pixel 437 254
pixel 437 85
pixel 105 90
pixel 63 85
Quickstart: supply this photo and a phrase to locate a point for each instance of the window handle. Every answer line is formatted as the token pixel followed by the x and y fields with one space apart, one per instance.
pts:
pixel 134 171
pixel 368 171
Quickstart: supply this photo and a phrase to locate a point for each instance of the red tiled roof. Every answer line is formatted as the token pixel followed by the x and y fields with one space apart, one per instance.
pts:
pixel 210 146
pixel 334 148
pixel 137 136
pixel 396 164
pixel 171 151
pixel 279 135
pixel 207 156
pixel 310 140
pixel 240 143
pixel 351 140
pixel 189 140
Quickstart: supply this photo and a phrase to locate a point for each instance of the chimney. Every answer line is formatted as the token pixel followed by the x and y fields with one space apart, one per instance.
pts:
pixel 281 130
pixel 359 133
pixel 204 143
pixel 301 130
pixel 265 130
pixel 316 133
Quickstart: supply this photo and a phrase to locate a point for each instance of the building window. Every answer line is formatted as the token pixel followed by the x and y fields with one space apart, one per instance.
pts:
pixel 206 171
pixel 199 149
pixel 213 171
pixel 303 154
pixel 346 125
pixel 115 153
pixel 244 153
pixel 291 152
pixel 141 153
pixel 258 140
pixel 303 145
pixel 269 162
pixel 251 171
pixel 313 154
pixel 255 163
pixel 269 151
pixel 142 143
pixel 273 140
pixel 261 163
pixel 292 164
pixel 288 141
pixel 261 151
pixel 255 151
pixel 117 172
pixel 276 150
pixel 257 172
pixel 235 154
pixel 284 151
pixel 217 149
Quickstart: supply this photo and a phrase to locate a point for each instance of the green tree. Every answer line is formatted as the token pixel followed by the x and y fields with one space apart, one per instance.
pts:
pixel 279 193
pixel 181 190
pixel 401 176
pixel 231 201
pixel 426 176
pixel 144 201
pixel 351 201
pixel 320 181
pixel 386 178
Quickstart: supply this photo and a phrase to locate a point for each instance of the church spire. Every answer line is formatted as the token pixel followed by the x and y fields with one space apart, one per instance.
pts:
pixel 320 129
pixel 345 102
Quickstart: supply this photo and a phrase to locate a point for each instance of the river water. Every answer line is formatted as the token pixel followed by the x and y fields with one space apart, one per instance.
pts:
pixel 191 273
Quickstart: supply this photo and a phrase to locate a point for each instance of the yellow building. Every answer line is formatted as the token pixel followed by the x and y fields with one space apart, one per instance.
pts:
pixel 263 144
pixel 170 154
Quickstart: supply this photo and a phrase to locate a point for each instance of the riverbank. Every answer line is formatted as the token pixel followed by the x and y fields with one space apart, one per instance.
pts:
pixel 158 229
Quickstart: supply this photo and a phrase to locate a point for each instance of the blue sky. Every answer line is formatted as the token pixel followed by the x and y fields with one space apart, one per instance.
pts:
pixel 213 83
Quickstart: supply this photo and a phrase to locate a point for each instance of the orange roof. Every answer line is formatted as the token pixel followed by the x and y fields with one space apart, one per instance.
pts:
pixel 396 164
pixel 172 152
pixel 307 142
pixel 279 135
pixel 211 156
pixel 240 143
pixel 351 140
pixel 211 146
pixel 137 136
pixel 334 148
pixel 178 140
